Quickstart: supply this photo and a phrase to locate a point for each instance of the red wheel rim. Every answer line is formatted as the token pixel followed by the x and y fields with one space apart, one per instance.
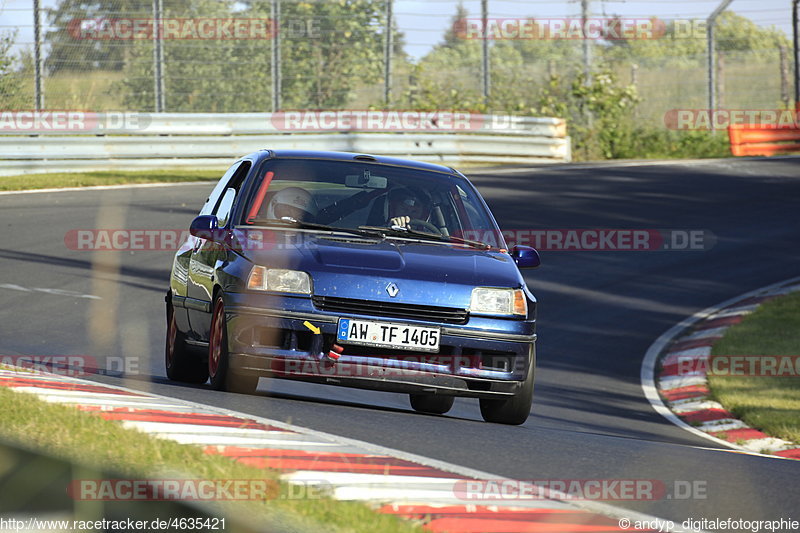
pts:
pixel 215 342
pixel 172 332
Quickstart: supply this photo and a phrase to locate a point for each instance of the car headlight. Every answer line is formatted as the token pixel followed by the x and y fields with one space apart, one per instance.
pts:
pixel 279 280
pixel 490 301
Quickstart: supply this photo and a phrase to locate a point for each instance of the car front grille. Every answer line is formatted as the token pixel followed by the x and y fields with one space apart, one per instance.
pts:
pixel 448 315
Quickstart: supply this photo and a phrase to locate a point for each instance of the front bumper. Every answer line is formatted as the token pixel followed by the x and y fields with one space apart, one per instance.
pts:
pixel 475 360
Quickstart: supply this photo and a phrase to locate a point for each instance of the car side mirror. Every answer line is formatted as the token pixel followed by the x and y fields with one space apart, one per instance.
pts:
pixel 206 227
pixel 525 257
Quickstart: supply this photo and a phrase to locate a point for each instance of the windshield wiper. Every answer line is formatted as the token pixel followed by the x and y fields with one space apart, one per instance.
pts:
pixel 294 223
pixel 402 231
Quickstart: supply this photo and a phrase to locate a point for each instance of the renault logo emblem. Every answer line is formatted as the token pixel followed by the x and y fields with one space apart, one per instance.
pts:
pixel 392 289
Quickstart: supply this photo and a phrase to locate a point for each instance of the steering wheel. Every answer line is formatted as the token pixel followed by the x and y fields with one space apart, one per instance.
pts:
pixel 425 224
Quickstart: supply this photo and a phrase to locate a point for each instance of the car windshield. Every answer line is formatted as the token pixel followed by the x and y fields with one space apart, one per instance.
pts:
pixel 354 195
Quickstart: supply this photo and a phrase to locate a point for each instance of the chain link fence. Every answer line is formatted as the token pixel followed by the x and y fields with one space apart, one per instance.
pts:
pixel 264 55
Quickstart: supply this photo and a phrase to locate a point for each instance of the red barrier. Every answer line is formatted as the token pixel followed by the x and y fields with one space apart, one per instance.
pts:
pixel 764 139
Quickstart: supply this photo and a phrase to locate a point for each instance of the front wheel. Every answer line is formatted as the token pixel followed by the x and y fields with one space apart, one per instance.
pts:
pixel 514 410
pixel 181 363
pixel 431 403
pixel 222 378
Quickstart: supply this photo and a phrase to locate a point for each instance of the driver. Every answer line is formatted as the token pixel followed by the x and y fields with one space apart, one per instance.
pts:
pixel 407 205
pixel 293 202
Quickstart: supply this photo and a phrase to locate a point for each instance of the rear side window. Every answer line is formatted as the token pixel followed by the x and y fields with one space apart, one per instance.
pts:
pixel 232 179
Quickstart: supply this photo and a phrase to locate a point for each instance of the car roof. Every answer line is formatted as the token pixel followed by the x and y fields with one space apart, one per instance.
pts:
pixel 364 158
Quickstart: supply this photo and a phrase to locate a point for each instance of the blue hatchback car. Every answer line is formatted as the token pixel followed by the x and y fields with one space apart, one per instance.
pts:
pixel 354 270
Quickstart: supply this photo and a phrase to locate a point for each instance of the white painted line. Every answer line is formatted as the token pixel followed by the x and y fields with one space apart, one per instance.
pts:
pixel 705 333
pixel 44 392
pixel 647 374
pixel 110 404
pixel 369 480
pixel 689 405
pixel 769 444
pixel 723 424
pixel 676 382
pixel 33 375
pixel 245 442
pixel 47 290
pixel 108 187
pixel 686 355
pixel 204 429
pixel 684 374
pixel 735 311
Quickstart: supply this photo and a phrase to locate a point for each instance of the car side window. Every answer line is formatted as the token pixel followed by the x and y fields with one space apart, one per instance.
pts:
pixel 213 199
pixel 472 211
pixel 225 205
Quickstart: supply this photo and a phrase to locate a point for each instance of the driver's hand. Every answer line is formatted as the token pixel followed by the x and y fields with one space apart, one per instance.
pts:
pixel 400 221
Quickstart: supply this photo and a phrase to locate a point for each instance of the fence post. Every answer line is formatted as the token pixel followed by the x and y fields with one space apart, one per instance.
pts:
pixel 387 62
pixel 38 64
pixel 485 51
pixel 711 49
pixel 720 80
pixel 784 66
pixel 587 49
pixel 275 14
pixel 796 46
pixel 158 55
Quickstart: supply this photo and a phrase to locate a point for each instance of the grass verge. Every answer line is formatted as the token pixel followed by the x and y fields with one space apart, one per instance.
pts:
pixel 94 442
pixel 770 404
pixel 112 177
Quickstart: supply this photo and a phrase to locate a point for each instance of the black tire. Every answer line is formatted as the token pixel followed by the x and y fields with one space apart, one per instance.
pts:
pixel 218 368
pixel 431 403
pixel 182 363
pixel 514 410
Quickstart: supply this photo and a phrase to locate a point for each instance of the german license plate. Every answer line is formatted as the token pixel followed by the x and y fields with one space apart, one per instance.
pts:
pixel 388 335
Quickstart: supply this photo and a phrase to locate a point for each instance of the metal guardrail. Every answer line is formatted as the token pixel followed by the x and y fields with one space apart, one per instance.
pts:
pixel 211 140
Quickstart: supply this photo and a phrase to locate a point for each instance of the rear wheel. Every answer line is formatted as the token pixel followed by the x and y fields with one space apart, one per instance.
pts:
pixel 431 403
pixel 222 378
pixel 514 410
pixel 182 364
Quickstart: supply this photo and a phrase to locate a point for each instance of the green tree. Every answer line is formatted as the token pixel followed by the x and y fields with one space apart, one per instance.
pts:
pixel 11 79
pixel 328 49
pixel 70 50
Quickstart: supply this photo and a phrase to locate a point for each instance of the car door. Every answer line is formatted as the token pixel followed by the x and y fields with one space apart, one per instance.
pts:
pixel 206 253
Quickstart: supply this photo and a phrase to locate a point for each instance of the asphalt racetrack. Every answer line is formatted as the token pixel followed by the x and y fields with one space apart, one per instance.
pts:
pixel 599 311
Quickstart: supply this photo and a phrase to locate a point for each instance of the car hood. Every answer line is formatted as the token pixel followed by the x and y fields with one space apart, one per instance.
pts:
pixel 426 273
